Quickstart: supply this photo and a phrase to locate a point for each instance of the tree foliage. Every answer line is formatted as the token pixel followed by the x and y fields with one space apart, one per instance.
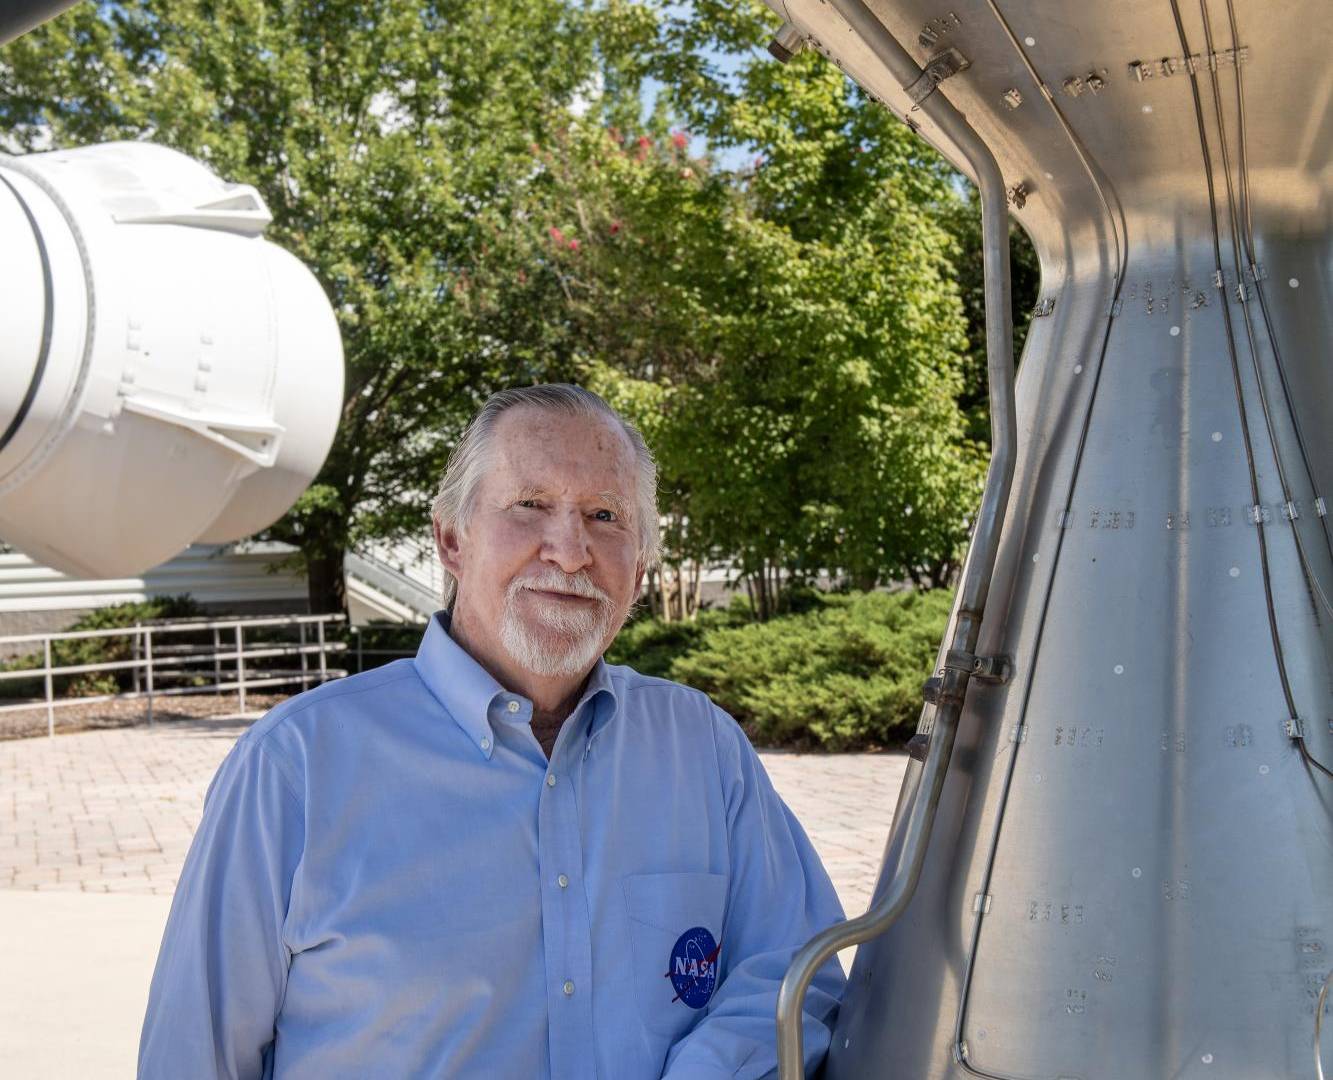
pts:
pixel 385 136
pixel 762 271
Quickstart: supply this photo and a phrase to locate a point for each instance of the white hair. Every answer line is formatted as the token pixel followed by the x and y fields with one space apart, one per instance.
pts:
pixel 455 500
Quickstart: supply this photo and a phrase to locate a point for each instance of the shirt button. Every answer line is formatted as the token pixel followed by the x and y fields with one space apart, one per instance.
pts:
pixel 550 779
pixel 485 744
pixel 512 706
pixel 568 988
pixel 562 881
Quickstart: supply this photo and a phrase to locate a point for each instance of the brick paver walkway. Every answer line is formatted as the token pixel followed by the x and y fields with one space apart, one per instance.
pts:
pixel 114 811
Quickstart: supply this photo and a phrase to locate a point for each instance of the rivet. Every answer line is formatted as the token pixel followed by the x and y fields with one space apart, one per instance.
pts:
pixel 1263 770
pixel 1175 331
pixel 1078 369
pixel 1217 436
pixel 1029 41
pixel 1294 282
pixel 1119 669
pixel 1136 872
pixel 1234 571
pixel 1147 108
pixel 1207 1059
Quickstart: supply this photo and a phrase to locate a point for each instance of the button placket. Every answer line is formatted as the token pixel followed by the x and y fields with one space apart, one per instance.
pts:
pixel 566 929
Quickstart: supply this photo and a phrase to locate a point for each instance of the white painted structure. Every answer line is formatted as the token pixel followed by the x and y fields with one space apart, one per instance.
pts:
pixel 394 583
pixel 167 376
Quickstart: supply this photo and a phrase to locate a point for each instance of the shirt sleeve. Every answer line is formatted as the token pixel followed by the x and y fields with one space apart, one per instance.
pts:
pixel 222 969
pixel 780 897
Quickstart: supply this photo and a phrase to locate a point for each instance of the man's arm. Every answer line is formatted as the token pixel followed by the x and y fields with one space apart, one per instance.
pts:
pixel 779 898
pixel 222 970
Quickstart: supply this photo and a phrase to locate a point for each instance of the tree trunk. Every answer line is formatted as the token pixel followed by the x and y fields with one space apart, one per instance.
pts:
pixel 325 582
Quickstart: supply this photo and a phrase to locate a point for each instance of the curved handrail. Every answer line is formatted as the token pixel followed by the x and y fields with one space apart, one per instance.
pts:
pixel 980 565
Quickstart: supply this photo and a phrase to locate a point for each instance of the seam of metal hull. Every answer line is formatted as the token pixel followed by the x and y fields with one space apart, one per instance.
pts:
pixel 1235 372
pixel 1122 256
pixel 1312 581
pixel 1243 173
pixel 48 310
pixel 34 459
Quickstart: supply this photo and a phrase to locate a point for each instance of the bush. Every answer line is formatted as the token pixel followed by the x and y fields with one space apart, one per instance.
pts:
pixel 651 646
pixel 844 675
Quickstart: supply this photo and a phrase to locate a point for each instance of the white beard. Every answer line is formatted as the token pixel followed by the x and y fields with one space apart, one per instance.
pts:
pixel 569 639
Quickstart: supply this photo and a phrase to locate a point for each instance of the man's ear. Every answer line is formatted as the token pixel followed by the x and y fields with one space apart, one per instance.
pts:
pixel 448 547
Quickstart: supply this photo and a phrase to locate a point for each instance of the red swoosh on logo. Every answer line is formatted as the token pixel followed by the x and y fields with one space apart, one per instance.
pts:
pixel 710 958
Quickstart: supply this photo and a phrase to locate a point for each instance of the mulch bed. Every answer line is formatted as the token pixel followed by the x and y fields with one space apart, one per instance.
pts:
pixel 26 723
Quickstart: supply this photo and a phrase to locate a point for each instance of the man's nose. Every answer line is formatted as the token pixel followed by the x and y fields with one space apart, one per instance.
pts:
pixel 566 543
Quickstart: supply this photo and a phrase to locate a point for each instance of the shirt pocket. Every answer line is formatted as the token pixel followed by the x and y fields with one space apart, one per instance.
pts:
pixel 675 925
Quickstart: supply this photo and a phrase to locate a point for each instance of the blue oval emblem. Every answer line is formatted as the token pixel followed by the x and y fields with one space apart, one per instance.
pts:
pixel 693 971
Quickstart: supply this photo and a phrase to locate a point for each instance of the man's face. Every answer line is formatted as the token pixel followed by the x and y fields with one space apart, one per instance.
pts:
pixel 547 565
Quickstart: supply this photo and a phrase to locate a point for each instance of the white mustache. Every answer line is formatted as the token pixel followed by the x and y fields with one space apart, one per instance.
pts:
pixel 555 581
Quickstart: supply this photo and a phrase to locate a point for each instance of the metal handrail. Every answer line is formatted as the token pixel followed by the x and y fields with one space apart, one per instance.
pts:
pixel 173 664
pixel 174 627
pixel 980 565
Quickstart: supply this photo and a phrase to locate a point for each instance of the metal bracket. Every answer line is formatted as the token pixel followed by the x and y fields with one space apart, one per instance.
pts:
pixel 986 668
pixel 938 68
pixel 981 903
pixel 1293 727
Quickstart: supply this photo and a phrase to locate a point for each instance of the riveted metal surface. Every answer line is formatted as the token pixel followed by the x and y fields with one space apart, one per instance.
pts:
pixel 1155 852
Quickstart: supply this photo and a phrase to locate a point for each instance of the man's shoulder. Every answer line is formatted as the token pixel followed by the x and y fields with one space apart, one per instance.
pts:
pixel 332 698
pixel 649 697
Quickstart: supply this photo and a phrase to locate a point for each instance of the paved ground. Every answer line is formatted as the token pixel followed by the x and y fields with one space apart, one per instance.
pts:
pixel 112 812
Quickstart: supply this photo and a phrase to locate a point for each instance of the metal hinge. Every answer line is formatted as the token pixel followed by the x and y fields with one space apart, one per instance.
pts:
pixel 981 903
pixel 938 68
pixel 1117 306
pixel 1293 727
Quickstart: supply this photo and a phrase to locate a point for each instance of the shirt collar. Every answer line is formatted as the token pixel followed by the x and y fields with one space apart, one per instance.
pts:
pixel 467 690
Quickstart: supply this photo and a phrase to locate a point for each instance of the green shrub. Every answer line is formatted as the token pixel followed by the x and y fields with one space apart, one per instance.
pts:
pixel 650 646
pixel 844 675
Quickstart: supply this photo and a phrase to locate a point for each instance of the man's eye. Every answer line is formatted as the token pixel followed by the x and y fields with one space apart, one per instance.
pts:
pixel 527 504
pixel 605 515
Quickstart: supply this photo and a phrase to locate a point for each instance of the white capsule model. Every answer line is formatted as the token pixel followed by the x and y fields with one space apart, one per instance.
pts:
pixel 167 375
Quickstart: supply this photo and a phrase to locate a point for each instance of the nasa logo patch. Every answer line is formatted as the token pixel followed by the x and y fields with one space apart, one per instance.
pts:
pixel 693 971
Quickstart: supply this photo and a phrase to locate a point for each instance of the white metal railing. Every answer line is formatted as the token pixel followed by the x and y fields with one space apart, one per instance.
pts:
pixel 152 660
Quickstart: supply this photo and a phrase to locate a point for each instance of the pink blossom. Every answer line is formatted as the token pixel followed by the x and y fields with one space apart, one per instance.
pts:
pixel 615 227
pixel 556 235
pixel 680 140
pixel 573 245
pixel 645 142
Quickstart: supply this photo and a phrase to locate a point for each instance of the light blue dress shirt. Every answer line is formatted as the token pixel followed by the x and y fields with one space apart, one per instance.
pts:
pixel 391 880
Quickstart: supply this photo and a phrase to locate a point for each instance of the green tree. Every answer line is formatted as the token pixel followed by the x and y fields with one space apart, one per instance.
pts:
pixel 800 392
pixel 387 138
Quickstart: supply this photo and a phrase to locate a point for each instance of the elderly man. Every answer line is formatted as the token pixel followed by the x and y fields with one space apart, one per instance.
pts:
pixel 503 858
